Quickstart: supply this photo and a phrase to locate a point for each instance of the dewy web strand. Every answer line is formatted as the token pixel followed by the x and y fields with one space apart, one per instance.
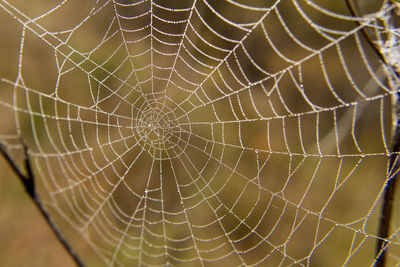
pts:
pixel 206 133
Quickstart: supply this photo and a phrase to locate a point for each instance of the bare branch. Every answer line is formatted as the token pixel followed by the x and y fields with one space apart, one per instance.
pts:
pixel 28 181
pixel 390 187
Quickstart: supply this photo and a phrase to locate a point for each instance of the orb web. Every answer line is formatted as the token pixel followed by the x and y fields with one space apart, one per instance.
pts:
pixel 205 133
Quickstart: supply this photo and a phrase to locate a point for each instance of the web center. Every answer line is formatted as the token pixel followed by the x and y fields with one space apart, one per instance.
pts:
pixel 156 130
pixel 160 132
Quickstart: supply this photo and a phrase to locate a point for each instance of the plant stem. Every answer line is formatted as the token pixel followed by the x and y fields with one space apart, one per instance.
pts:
pixel 390 186
pixel 28 181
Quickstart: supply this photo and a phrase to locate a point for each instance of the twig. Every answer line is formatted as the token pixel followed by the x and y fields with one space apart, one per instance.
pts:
pixel 390 187
pixel 365 33
pixel 386 211
pixel 28 181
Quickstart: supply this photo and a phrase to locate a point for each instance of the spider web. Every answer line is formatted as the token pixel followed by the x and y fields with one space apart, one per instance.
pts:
pixel 205 132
